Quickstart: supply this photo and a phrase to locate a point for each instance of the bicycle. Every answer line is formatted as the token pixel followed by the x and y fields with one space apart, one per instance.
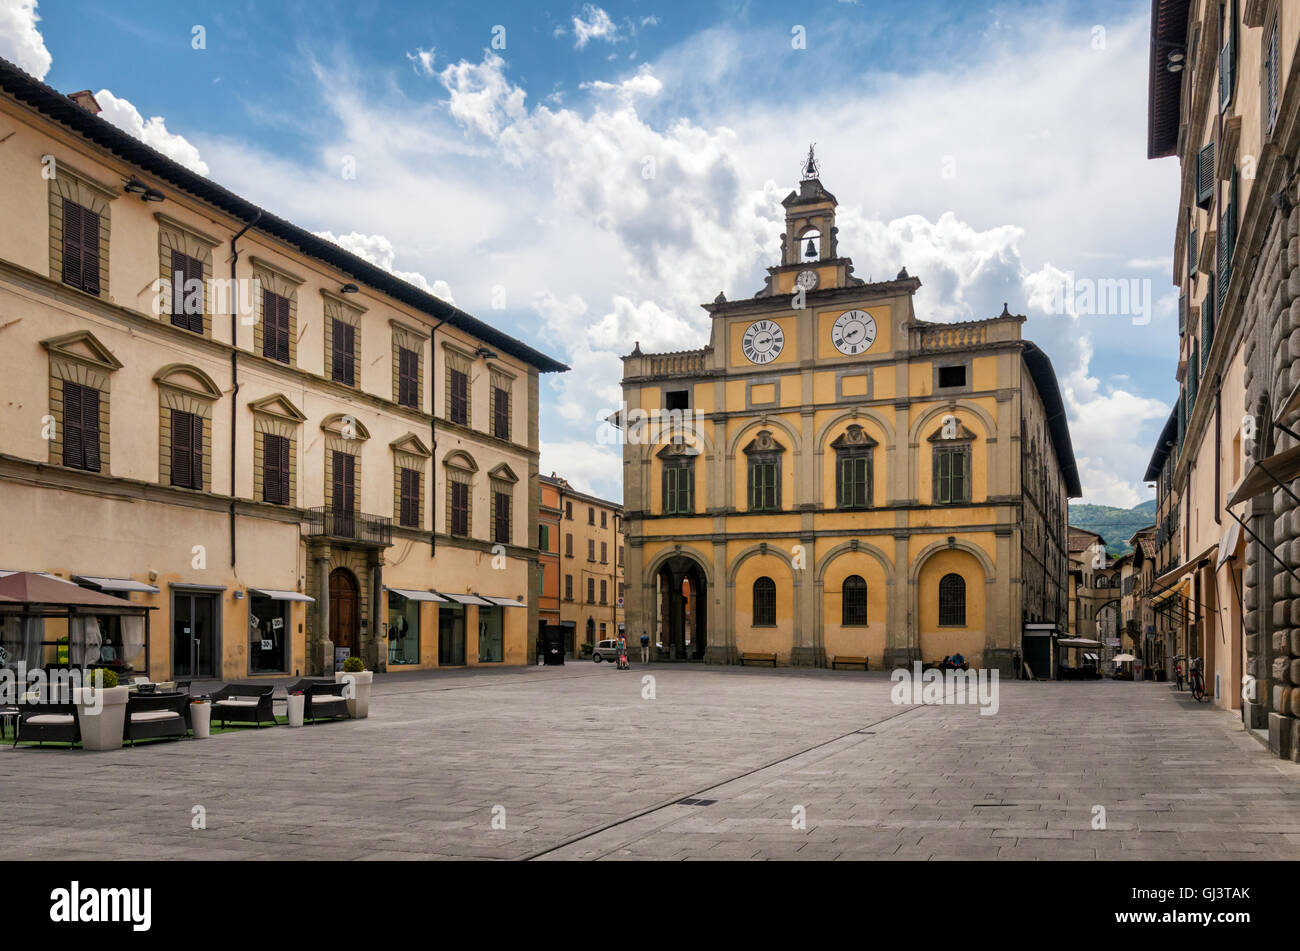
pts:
pixel 1196 681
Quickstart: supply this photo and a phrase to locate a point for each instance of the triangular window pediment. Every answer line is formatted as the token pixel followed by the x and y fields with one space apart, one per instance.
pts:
pixel 503 473
pixel 279 406
pixel 84 347
pixel 410 444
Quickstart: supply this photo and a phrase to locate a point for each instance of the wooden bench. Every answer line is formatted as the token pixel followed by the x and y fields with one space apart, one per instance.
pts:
pixel 748 657
pixel 848 662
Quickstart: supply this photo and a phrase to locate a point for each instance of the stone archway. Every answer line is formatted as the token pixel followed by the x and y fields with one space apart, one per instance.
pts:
pixel 681 596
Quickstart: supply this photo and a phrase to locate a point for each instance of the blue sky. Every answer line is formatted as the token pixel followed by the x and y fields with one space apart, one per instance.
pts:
pixel 992 148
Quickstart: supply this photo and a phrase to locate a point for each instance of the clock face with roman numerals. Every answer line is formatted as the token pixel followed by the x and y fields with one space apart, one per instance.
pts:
pixel 854 332
pixel 762 342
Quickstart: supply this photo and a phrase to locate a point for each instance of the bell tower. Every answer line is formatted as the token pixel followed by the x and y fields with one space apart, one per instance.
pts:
pixel 810 255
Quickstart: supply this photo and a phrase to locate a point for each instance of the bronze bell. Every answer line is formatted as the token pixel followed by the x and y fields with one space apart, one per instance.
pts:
pixel 811 251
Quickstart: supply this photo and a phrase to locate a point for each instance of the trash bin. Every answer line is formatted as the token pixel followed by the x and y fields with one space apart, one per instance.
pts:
pixel 295 704
pixel 201 718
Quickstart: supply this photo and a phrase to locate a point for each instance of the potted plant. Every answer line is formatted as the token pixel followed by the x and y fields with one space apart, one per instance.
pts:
pixel 296 702
pixel 587 649
pixel 358 679
pixel 101 710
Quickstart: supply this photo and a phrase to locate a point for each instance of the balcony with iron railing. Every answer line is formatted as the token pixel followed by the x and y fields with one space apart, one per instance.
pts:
pixel 375 531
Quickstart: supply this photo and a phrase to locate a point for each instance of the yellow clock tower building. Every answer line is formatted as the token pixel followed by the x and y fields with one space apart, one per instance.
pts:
pixel 833 480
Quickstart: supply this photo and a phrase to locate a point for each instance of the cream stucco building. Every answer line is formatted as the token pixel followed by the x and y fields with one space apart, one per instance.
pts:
pixel 288 453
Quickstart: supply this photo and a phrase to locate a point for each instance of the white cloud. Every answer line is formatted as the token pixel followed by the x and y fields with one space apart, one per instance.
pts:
pixel 1105 427
pixel 153 133
pixel 585 465
pixel 422 61
pixel 378 250
pixel 481 97
pixel 20 40
pixel 643 83
pixel 597 26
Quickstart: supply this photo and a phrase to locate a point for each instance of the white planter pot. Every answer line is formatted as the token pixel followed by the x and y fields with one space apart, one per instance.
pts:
pixel 102 720
pixel 201 719
pixel 295 705
pixel 359 702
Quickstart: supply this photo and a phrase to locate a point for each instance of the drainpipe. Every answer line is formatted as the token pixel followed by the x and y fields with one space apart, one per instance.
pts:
pixel 234 370
pixel 433 441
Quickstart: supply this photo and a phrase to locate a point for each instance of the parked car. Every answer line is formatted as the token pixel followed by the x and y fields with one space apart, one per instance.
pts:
pixel 605 650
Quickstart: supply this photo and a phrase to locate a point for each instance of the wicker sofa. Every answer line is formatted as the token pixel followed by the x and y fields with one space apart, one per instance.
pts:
pixel 149 716
pixel 243 703
pixel 48 723
pixel 322 699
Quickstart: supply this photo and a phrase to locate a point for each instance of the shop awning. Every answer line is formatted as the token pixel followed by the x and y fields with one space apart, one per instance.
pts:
pixel 1077 642
pixel 415 594
pixel 1228 543
pixel 115 584
pixel 505 602
pixel 1268 474
pixel 6 572
pixel 275 594
pixel 1180 588
pixel 464 598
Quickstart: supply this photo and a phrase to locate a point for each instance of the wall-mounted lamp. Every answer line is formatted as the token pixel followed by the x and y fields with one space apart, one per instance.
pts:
pixel 239 595
pixel 487 353
pixel 153 194
pixel 349 289
pixel 134 186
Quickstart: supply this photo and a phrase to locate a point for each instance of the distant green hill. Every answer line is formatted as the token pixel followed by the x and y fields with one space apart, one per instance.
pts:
pixel 1115 525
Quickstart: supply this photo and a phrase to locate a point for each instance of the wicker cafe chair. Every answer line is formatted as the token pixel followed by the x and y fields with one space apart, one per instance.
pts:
pixel 322 699
pixel 243 703
pixel 151 716
pixel 49 722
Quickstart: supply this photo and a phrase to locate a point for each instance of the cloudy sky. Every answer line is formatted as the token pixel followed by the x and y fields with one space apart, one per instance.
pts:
pixel 586 175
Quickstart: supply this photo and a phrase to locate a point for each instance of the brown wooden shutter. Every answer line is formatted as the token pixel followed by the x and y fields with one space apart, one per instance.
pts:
pixel 502 533
pixel 275 469
pixel 182 456
pixel 73 436
pixel 196 451
pixel 89 251
pixel 89 427
pixel 501 413
pixel 459 397
pixel 408 377
pixel 410 505
pixel 184 270
pixel 71 243
pixel 343 350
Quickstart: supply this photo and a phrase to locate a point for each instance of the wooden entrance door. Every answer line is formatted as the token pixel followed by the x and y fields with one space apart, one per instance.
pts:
pixel 344 610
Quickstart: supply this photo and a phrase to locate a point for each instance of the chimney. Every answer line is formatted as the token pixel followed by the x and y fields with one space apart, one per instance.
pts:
pixel 86 99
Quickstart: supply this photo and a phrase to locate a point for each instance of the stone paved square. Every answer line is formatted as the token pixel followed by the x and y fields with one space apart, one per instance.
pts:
pixel 583 768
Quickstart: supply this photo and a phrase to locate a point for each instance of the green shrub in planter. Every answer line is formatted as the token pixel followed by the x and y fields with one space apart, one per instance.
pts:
pixel 588 648
pixel 353 665
pixel 101 679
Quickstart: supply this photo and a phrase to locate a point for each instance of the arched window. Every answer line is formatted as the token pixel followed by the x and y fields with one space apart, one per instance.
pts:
pixel 855 600
pixel 952 601
pixel 765 602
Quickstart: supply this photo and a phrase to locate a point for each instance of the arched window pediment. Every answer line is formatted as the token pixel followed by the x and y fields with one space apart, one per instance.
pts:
pixel 345 425
pixel 460 459
pixel 854 437
pixel 188 379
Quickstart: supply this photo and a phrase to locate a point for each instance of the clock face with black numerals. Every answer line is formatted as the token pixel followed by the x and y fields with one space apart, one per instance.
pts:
pixel 763 342
pixel 854 332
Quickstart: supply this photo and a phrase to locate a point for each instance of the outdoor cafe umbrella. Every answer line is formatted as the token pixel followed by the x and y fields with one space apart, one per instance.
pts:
pixel 1123 658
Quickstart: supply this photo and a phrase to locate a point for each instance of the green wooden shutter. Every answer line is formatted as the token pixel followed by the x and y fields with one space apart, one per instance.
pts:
pixel 942 475
pixel 1205 175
